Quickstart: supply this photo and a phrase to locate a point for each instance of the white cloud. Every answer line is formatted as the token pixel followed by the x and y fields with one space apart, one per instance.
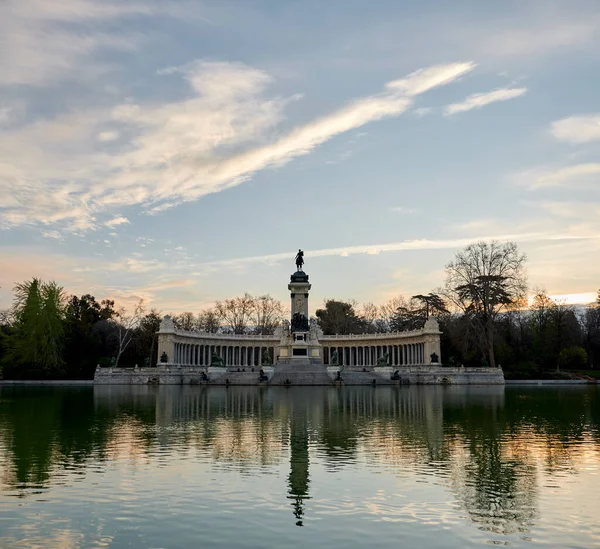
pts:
pixel 52 234
pixel 576 175
pixel 215 139
pixel 478 100
pixel 422 111
pixel 116 221
pixel 425 79
pixel 108 136
pixel 577 129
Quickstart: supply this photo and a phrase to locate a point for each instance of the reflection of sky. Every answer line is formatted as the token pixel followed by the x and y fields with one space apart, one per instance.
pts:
pixel 421 463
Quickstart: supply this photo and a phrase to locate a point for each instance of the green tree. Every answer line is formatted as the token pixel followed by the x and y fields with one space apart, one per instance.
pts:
pixel 38 339
pixel 483 280
pixel 339 317
pixel 84 346
pixel 572 358
pixel 146 337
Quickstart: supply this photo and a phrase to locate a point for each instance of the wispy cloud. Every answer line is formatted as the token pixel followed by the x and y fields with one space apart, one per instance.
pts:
pixel 577 129
pixel 576 175
pixel 406 245
pixel 181 151
pixel 424 80
pixel 572 209
pixel 403 210
pixel 478 100
pixel 117 221
pixel 41 43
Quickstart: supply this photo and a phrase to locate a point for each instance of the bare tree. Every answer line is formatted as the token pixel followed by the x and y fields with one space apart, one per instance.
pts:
pixel 483 280
pixel 370 314
pixel 125 326
pixel 208 321
pixel 236 313
pixel 185 321
pixel 7 317
pixel 388 311
pixel 267 314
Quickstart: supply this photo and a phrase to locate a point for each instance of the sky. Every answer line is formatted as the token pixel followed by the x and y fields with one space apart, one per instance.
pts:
pixel 181 152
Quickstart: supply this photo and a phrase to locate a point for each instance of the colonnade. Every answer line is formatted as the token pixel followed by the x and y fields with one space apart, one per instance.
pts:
pixel 369 355
pixel 191 354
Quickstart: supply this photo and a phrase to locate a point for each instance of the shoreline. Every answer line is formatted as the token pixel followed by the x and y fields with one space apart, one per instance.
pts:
pixel 90 382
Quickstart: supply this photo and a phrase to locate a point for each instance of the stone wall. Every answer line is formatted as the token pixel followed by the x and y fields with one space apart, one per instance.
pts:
pixel 414 375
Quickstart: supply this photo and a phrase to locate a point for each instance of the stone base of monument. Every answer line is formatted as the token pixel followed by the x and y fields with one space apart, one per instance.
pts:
pixel 300 372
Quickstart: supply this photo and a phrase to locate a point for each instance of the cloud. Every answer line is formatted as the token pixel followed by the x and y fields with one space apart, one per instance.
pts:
pixel 42 42
pixel 403 210
pixel 216 138
pixel 576 175
pixel 478 100
pixel 116 221
pixel 424 80
pixel 53 234
pixel 405 245
pixel 422 111
pixel 572 209
pixel 108 136
pixel 577 129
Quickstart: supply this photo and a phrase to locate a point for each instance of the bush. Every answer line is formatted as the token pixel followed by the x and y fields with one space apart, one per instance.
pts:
pixel 572 358
pixel 527 369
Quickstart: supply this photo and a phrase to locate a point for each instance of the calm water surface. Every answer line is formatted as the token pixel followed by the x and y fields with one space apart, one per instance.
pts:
pixel 172 467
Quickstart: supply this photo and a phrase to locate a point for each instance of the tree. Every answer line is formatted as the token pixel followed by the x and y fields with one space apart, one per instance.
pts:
pixel 370 315
pixel 267 314
pixel 387 311
pixel 84 346
pixel 185 321
pixel 339 317
pixel 208 321
pixel 433 304
pixel 124 328
pixel 236 313
pixel 412 315
pixel 591 331
pixel 38 339
pixel 483 280
pixel 146 338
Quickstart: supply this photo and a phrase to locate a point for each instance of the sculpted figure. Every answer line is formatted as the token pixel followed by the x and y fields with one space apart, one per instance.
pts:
pixel 334 361
pixel 299 260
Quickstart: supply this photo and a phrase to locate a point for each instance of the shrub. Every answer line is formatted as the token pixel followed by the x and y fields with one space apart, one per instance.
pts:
pixel 572 358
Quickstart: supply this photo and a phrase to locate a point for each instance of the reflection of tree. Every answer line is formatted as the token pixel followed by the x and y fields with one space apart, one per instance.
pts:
pixel 486 445
pixel 43 427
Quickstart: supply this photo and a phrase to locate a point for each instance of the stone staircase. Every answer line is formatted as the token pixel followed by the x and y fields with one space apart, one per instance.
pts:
pixel 303 372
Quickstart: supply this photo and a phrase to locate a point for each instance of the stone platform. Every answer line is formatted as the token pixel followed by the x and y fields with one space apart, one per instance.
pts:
pixel 299 373
pixel 302 372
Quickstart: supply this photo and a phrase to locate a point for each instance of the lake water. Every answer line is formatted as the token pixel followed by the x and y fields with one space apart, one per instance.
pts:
pixel 170 467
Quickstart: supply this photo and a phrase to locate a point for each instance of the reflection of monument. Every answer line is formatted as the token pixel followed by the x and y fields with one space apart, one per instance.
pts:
pixel 299 463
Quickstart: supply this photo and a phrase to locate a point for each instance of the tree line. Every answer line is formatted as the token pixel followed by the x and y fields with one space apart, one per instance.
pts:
pixel 482 307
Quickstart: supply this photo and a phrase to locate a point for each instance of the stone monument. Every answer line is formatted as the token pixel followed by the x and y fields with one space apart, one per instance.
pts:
pixel 300 352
